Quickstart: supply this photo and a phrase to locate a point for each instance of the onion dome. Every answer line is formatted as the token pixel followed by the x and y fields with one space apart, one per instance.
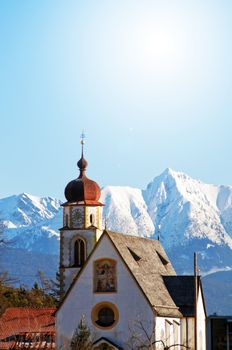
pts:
pixel 83 190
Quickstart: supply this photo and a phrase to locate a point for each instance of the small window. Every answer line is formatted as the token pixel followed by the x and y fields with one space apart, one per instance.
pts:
pixel 66 220
pixel 91 219
pixel 79 253
pixel 105 315
pixel 162 259
pixel 135 256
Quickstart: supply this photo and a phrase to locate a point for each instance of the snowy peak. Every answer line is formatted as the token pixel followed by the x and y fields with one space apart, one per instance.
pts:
pixel 125 208
pixel 31 222
pixel 191 214
pixel 181 184
pixel 181 204
pixel 224 204
pixel 183 207
pixel 25 209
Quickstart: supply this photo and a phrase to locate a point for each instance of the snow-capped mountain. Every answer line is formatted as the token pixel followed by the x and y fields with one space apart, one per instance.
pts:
pixel 183 207
pixel 192 216
pixel 31 222
pixel 126 211
pixel 186 210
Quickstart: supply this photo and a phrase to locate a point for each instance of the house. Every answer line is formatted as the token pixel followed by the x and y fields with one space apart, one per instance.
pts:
pixel 219 332
pixel 125 286
pixel 24 327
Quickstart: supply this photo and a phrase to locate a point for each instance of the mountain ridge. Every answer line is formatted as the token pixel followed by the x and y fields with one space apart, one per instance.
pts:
pixel 190 214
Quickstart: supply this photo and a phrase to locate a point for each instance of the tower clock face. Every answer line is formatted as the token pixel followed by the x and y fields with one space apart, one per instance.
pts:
pixel 78 217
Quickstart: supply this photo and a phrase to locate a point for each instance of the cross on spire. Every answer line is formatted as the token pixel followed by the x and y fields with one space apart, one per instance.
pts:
pixel 82 143
pixel 82 137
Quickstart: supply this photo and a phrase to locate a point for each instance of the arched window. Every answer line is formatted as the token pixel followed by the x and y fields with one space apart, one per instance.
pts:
pixel 66 220
pixel 79 252
pixel 91 219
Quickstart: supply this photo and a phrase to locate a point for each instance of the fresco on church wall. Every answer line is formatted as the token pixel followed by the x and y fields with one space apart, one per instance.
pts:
pixel 105 276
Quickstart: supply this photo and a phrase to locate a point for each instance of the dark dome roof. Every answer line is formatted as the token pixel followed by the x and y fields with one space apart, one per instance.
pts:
pixel 82 189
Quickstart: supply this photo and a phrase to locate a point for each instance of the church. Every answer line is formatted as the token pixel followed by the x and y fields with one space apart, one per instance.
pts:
pixel 124 286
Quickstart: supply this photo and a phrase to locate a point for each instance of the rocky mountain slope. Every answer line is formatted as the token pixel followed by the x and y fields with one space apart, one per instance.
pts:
pixel 183 207
pixel 31 222
pixel 191 216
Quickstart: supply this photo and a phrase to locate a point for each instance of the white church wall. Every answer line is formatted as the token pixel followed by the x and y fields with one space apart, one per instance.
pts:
pixel 201 323
pixel 129 300
pixel 67 252
pixel 187 332
pixel 69 275
pixel 93 216
pixel 168 332
pixel 68 241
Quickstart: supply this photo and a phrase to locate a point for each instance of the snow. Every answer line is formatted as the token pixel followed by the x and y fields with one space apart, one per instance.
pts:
pixel 216 269
pixel 187 210
pixel 125 207
pixel 30 222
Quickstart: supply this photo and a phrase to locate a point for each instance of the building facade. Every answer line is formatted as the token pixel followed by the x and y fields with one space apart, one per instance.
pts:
pixel 219 332
pixel 124 286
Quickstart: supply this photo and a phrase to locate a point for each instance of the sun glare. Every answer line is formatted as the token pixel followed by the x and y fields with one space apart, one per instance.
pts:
pixel 160 48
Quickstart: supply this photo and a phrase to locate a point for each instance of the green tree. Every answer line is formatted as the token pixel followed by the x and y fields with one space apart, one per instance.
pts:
pixel 81 339
pixel 54 289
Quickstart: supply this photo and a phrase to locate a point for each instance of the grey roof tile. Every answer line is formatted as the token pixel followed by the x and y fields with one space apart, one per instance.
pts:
pixel 148 270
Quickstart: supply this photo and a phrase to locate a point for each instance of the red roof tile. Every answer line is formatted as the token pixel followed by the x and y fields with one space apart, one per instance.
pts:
pixel 18 320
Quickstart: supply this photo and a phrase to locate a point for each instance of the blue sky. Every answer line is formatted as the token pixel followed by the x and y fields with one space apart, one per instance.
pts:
pixel 149 81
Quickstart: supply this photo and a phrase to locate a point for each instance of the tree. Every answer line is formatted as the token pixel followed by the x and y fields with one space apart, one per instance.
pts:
pixel 143 337
pixel 81 339
pixel 50 286
pixel 5 279
pixel 55 290
pixel 45 282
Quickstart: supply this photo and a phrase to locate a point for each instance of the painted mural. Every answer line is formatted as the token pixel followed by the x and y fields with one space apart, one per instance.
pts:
pixel 105 276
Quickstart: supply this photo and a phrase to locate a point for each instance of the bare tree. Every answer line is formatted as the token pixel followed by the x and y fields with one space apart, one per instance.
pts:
pixel 143 337
pixel 2 240
pixel 4 276
pixel 45 283
pixel 50 286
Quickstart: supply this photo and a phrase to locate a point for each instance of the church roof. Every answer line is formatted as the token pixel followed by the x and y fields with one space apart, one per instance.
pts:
pixel 150 267
pixel 182 291
pixel 26 324
pixel 148 263
pixel 82 191
pixel 16 320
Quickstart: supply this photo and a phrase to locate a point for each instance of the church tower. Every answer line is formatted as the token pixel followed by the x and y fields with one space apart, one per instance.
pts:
pixel 82 223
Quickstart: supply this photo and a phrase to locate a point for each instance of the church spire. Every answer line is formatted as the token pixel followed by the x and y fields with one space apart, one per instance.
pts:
pixel 83 190
pixel 82 163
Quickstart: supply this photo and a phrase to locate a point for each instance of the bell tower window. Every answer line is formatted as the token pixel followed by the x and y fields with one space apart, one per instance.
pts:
pixel 79 252
pixel 66 220
pixel 91 219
